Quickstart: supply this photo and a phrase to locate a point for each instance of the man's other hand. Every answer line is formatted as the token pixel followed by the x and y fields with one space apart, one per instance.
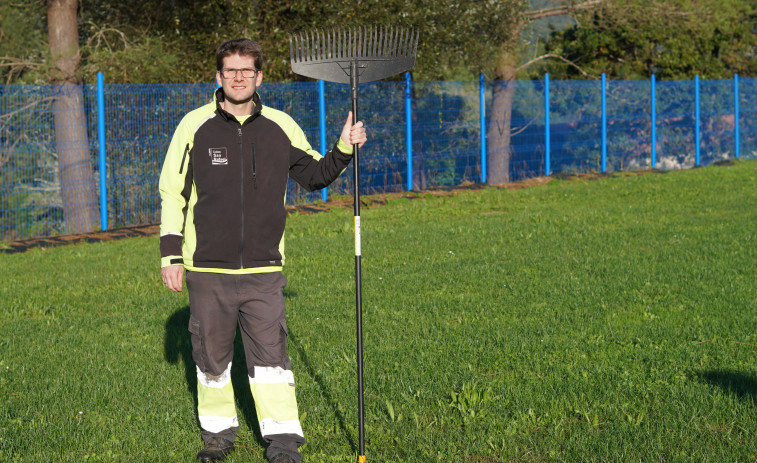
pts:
pixel 173 276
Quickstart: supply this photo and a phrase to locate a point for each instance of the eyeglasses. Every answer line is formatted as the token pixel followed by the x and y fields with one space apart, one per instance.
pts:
pixel 231 73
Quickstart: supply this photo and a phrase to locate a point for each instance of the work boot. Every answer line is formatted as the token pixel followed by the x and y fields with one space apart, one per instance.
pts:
pixel 216 449
pixel 281 458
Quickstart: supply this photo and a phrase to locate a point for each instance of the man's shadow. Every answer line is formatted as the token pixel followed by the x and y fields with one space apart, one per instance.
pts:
pixel 177 346
pixel 743 385
pixel 318 378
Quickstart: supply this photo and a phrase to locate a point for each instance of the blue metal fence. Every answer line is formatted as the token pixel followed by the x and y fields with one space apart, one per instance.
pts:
pixel 438 140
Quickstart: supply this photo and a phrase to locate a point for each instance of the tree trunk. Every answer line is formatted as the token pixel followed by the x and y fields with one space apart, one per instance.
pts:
pixel 498 130
pixel 77 183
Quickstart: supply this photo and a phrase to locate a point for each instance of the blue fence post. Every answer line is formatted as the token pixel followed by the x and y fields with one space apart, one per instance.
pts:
pixel 547 167
pixel 696 129
pixel 604 123
pixel 482 117
pixel 736 111
pixel 409 130
pixel 101 149
pixel 322 127
pixel 653 98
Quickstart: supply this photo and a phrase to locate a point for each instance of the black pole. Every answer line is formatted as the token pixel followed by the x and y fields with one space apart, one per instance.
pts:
pixel 358 271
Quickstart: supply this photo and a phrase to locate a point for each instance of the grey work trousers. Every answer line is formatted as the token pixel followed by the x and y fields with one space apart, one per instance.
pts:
pixel 254 302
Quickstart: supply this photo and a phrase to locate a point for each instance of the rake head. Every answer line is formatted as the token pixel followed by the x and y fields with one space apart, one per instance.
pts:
pixel 379 52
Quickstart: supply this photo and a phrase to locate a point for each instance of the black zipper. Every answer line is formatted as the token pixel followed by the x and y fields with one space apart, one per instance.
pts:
pixel 184 158
pixel 254 167
pixel 241 198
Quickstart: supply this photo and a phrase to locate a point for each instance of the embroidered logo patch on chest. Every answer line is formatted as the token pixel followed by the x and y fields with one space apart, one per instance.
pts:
pixel 218 156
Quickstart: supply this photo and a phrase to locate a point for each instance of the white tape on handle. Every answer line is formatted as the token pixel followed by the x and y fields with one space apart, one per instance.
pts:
pixel 357 235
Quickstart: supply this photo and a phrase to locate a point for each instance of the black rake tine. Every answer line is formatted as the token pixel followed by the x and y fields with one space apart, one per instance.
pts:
pixel 321 45
pixel 300 47
pixel 311 46
pixel 361 41
pixel 310 41
pixel 349 48
pixel 327 38
pixel 349 44
pixel 380 41
pixel 333 42
pixel 405 43
pixel 388 40
pixel 314 44
pixel 371 41
pixel 368 42
pixel 301 52
pixel 356 42
pixel 408 42
pixel 393 43
pixel 341 41
pixel 376 38
pixel 340 38
pixel 400 41
pixel 325 49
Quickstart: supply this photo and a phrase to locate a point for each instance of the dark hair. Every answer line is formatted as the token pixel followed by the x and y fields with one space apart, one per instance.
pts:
pixel 241 47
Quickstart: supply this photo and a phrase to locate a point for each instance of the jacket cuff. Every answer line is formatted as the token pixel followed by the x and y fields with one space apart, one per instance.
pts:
pixel 343 147
pixel 171 260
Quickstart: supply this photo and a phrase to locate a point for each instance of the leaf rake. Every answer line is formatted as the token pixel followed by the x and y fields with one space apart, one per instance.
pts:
pixel 352 56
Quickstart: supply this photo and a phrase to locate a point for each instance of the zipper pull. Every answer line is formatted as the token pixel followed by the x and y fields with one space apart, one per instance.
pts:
pixel 254 166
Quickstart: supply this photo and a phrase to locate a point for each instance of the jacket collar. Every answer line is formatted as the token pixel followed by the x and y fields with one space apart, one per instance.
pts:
pixel 220 97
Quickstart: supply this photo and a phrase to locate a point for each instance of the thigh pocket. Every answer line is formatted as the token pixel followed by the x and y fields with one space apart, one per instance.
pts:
pixel 271 346
pixel 198 343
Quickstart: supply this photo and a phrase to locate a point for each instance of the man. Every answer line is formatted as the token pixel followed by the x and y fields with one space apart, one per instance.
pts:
pixel 223 188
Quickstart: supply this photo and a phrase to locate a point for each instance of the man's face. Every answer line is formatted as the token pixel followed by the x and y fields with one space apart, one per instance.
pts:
pixel 238 88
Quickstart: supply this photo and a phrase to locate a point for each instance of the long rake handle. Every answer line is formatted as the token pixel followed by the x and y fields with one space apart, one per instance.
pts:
pixel 358 270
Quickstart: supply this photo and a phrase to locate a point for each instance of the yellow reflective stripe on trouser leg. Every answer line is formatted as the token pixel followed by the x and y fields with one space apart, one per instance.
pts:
pixel 275 401
pixel 215 401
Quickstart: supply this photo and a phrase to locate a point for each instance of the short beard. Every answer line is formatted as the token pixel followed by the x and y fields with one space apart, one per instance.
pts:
pixel 238 102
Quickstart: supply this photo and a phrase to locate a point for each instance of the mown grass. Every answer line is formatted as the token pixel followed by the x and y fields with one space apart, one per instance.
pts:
pixel 584 320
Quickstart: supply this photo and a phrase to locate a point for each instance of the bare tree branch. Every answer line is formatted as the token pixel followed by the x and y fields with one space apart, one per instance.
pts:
pixel 11 61
pixel 522 129
pixel 10 114
pixel 99 35
pixel 550 55
pixel 559 10
pixel 16 66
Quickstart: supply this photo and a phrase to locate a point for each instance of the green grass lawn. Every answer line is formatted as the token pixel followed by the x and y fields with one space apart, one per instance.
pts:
pixel 583 320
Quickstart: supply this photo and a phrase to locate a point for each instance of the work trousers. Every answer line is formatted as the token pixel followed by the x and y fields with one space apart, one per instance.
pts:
pixel 255 302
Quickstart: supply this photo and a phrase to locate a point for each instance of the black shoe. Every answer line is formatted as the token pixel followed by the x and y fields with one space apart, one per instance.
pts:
pixel 215 449
pixel 281 458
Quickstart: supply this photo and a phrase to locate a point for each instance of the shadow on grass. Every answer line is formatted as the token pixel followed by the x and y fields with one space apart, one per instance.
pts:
pixel 322 386
pixel 177 346
pixel 743 385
